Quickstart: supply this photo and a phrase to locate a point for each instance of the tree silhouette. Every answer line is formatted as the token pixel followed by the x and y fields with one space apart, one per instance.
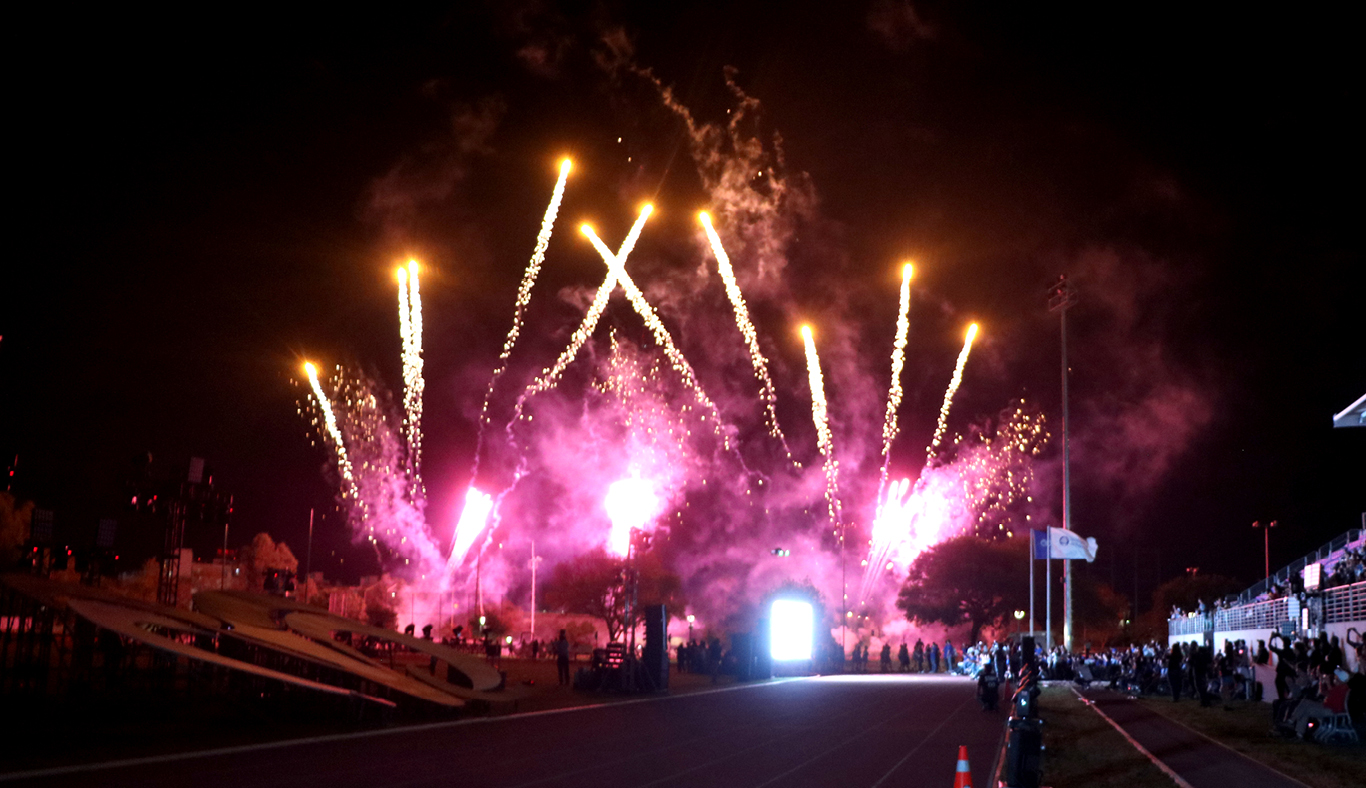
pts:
pixel 594 584
pixel 966 579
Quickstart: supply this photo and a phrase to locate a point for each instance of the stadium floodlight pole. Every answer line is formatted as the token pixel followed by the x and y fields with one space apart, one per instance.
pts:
pixel 1060 297
pixel 1266 547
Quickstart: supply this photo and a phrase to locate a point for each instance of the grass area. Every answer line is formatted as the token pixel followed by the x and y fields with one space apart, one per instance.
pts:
pixel 1082 749
pixel 1247 729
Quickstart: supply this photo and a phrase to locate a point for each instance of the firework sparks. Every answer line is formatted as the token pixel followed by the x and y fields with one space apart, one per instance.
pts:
pixel 889 426
pixel 410 332
pixel 333 430
pixel 473 518
pixel 631 504
pixel 550 376
pixel 948 394
pixel 661 333
pixel 533 269
pixel 820 416
pixel 746 326
pixel 891 527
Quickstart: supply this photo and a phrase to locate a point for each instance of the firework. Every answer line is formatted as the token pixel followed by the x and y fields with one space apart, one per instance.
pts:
pixel 891 527
pixel 410 332
pixel 631 503
pixel 473 518
pixel 333 431
pixel 661 333
pixel 533 269
pixel 820 416
pixel 746 326
pixel 948 394
pixel 997 470
pixel 550 376
pixel 889 426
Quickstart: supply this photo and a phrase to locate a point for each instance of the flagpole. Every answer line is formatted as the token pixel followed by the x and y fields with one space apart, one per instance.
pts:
pixel 1048 587
pixel 1032 540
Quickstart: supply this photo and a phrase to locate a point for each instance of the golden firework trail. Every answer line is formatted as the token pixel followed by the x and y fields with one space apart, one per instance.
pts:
pixel 550 376
pixel 746 326
pixel 656 326
pixel 889 426
pixel 333 430
pixel 410 331
pixel 948 394
pixel 533 269
pixel 820 415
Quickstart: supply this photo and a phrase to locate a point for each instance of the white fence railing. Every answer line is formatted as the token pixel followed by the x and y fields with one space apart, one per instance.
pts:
pixel 1194 624
pixel 1341 605
pixel 1345 604
pixel 1258 615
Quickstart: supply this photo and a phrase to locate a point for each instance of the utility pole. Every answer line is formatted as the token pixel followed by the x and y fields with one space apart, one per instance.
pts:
pixel 223 582
pixel 1060 298
pixel 308 555
pixel 534 561
pixel 844 595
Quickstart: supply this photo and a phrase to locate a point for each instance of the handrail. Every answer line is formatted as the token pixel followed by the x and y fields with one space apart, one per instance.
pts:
pixel 1283 574
pixel 1341 605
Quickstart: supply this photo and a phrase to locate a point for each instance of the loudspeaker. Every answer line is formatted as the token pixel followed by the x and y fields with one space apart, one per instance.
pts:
pixel 656 656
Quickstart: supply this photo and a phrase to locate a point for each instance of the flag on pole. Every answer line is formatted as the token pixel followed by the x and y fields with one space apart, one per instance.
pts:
pixel 1062 543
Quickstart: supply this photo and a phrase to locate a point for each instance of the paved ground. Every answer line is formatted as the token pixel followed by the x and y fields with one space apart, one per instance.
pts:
pixel 839 731
pixel 1199 761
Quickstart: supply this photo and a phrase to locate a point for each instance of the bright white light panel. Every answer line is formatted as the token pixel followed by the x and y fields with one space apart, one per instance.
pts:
pixel 793 629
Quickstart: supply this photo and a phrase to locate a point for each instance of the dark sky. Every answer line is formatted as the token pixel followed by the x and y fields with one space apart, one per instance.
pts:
pixel 204 199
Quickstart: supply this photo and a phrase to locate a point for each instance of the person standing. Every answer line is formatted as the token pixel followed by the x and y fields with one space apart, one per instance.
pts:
pixel 934 657
pixel 950 659
pixel 903 656
pixel 918 656
pixel 562 657
pixel 886 658
pixel 1174 671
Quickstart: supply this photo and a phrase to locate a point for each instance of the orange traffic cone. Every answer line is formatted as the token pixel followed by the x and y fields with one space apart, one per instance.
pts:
pixel 963 777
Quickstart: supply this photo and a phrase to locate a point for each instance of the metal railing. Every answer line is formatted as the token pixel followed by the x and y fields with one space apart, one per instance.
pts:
pixel 1345 604
pixel 1194 624
pixel 1258 615
pixel 1341 605
pixel 1294 568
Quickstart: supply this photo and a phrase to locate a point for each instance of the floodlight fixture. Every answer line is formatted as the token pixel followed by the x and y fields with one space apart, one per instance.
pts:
pixel 792 630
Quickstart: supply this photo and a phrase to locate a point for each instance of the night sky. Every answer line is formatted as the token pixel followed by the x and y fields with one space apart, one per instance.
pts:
pixel 204 200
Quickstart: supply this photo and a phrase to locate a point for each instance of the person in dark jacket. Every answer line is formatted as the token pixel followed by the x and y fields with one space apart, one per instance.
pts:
pixel 1174 661
pixel 988 688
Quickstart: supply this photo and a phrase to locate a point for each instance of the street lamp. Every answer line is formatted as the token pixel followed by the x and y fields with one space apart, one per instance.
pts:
pixel 1019 616
pixel 1266 545
pixel 691 618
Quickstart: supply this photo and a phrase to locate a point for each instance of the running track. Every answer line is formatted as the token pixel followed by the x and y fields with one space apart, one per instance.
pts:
pixel 846 731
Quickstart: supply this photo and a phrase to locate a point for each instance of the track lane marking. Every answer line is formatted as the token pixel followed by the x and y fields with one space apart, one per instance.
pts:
pixel 922 743
pixel 58 771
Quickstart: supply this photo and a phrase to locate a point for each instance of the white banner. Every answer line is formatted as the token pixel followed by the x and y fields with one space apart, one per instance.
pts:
pixel 1067 544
